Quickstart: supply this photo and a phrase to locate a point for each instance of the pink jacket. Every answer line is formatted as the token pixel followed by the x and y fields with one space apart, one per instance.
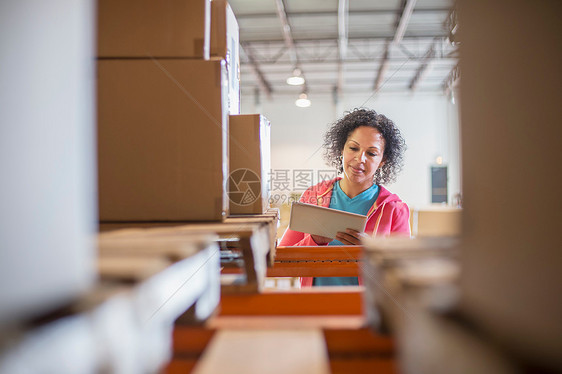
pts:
pixel 388 215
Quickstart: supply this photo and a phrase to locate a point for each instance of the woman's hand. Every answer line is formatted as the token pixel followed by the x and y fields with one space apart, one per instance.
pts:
pixel 350 237
pixel 320 239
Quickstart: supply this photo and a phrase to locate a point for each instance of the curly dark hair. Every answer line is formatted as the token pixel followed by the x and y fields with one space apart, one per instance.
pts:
pixel 394 144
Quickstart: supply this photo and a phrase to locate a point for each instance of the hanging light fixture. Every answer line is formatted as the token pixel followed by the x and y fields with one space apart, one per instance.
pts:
pixel 296 79
pixel 303 101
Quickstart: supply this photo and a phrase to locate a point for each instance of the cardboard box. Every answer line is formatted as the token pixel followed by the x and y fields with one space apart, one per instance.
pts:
pixel 249 164
pixel 511 259
pixel 437 221
pixel 225 44
pixel 162 140
pixel 147 28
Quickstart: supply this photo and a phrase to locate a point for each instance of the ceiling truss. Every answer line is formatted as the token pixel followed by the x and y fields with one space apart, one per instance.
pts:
pixel 358 50
pixel 417 51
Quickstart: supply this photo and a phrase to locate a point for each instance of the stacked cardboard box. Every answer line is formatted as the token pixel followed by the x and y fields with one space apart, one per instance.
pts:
pixel 249 164
pixel 163 109
pixel 146 28
pixel 162 138
pixel 436 221
pixel 225 44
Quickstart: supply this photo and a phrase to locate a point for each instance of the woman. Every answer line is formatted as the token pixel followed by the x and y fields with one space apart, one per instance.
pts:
pixel 368 149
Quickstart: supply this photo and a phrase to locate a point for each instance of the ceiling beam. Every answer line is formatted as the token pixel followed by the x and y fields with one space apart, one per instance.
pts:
pixel 382 68
pixel 343 14
pixel 451 25
pixel 407 11
pixel 357 50
pixel 327 90
pixel 334 61
pixel 379 37
pixel 286 27
pixel 401 25
pixel 423 68
pixel 264 85
pixel 288 38
pixel 366 12
pixel 452 80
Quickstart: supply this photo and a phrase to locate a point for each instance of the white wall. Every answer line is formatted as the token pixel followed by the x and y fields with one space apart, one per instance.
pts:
pixel 429 123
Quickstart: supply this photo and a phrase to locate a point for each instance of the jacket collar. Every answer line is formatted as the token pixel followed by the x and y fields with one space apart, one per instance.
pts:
pixel 326 189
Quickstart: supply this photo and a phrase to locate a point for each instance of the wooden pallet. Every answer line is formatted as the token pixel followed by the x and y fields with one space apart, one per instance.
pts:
pixel 123 324
pixel 317 261
pixel 271 218
pixel 172 270
pixel 357 350
pixel 252 240
pixel 396 264
pixel 332 317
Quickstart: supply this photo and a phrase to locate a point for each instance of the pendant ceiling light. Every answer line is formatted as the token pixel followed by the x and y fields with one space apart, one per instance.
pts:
pixel 296 79
pixel 303 101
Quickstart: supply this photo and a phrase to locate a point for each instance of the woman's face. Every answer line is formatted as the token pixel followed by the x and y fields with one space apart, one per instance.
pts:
pixel 362 155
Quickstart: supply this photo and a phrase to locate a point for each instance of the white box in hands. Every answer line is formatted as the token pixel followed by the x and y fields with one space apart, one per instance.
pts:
pixel 318 220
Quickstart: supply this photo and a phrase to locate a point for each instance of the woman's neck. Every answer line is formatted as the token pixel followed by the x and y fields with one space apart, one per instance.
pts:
pixel 353 189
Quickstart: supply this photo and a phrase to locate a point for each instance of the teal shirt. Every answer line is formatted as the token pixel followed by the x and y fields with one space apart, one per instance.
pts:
pixel 360 204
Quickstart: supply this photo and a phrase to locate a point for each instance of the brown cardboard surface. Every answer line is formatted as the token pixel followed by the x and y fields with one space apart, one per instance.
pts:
pixel 510 104
pixel 218 47
pixel 162 140
pixel 304 352
pixel 438 221
pixel 249 164
pixel 225 44
pixel 146 28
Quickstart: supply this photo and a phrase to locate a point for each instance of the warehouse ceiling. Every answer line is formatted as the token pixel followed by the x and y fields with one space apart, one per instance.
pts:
pixel 347 46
